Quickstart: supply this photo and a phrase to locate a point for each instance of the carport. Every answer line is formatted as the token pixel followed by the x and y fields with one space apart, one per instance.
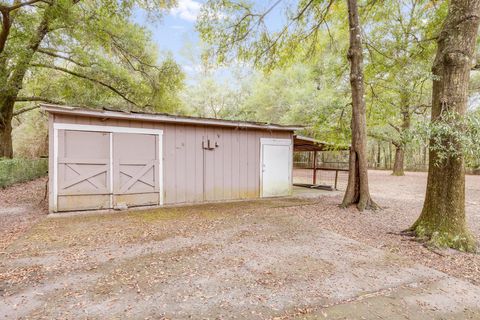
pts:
pixel 314 146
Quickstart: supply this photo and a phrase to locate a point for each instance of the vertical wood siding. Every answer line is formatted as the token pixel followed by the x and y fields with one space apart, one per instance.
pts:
pixel 191 174
pixel 51 119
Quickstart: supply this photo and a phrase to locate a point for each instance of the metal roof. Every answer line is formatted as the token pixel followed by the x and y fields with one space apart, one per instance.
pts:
pixel 301 143
pixel 106 113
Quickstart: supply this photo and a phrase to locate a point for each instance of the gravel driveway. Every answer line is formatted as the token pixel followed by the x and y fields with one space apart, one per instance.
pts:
pixel 297 258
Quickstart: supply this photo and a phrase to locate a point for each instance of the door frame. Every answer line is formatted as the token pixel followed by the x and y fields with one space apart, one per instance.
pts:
pixel 110 130
pixel 276 142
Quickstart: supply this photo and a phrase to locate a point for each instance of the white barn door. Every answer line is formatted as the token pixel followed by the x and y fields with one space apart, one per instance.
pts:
pixel 276 167
pixel 136 169
pixel 98 167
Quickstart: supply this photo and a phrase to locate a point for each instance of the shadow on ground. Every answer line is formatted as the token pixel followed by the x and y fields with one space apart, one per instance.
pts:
pixel 245 260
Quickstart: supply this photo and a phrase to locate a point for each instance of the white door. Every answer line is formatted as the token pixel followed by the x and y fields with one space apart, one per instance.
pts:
pixel 276 160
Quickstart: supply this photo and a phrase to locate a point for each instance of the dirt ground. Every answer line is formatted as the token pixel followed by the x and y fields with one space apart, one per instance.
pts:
pixel 401 199
pixel 295 258
pixel 21 206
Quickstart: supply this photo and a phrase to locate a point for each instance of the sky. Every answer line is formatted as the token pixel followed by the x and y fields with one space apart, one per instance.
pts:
pixel 176 32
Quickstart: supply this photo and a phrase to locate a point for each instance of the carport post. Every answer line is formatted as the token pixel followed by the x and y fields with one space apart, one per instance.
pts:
pixel 336 179
pixel 314 167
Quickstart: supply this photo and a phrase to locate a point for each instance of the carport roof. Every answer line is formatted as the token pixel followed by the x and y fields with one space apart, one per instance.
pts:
pixel 301 143
pixel 106 113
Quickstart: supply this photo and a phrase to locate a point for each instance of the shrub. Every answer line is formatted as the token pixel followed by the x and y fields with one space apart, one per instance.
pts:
pixel 20 170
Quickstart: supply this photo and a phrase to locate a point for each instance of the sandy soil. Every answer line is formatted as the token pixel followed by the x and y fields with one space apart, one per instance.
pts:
pixel 401 199
pixel 21 206
pixel 299 258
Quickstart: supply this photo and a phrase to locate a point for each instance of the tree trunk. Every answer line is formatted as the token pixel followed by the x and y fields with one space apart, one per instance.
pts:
pixel 9 92
pixel 398 165
pixel 379 154
pixel 6 150
pixel 399 162
pixel 442 220
pixel 357 189
pixel 425 156
pixel 389 156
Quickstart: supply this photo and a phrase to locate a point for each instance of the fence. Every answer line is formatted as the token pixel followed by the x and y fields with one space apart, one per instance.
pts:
pixel 20 170
pixel 331 168
pixel 337 179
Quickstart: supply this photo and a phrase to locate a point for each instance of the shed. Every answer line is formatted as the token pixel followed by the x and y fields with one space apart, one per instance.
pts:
pixel 102 159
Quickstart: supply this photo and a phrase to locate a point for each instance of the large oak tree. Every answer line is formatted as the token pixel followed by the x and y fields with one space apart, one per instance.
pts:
pixel 78 52
pixel 442 220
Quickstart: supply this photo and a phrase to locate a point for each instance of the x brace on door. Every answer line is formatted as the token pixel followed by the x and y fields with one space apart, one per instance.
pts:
pixel 87 177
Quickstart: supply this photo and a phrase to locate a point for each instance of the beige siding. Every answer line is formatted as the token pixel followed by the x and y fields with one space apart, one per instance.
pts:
pixel 192 174
pixel 51 119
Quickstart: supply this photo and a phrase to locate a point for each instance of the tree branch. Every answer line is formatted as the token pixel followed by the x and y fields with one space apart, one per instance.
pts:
pixel 395 127
pixel 260 19
pixel 239 36
pixel 20 4
pixel 384 138
pixel 23 110
pixel 6 24
pixel 56 55
pixel 302 11
pixel 313 30
pixel 421 109
pixel 41 99
pixel 79 75
pixel 33 99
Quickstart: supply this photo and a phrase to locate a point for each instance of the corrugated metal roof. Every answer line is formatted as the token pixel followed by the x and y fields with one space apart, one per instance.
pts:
pixel 301 143
pixel 163 117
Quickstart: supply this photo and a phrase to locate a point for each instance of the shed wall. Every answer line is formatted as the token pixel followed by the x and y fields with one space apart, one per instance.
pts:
pixel 190 173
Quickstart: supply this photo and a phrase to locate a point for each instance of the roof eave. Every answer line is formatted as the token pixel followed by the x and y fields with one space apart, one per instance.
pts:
pixel 161 118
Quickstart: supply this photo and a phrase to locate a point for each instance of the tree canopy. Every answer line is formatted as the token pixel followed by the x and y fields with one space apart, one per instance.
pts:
pixel 81 53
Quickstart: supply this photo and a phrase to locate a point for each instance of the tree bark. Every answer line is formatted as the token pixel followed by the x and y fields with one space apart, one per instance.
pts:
pixel 403 130
pixel 442 220
pixel 9 91
pixel 398 165
pixel 379 154
pixel 357 189
pixel 6 115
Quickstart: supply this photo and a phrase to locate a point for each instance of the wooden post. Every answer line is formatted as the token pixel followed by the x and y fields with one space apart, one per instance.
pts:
pixel 314 167
pixel 336 179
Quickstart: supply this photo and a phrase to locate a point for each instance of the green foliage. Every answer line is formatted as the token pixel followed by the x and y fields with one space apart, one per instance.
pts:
pixel 211 98
pixel 400 47
pixel 300 94
pixel 86 53
pixel 20 170
pixel 30 135
pixel 453 136
pixel 237 29
pixel 306 95
pixel 93 55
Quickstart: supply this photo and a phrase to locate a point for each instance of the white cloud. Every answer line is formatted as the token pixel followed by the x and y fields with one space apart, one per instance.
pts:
pixel 187 10
pixel 192 68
